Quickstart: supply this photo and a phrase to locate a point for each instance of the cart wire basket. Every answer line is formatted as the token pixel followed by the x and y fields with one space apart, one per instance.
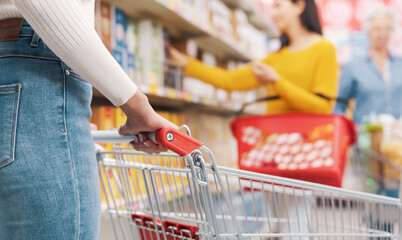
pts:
pixel 183 194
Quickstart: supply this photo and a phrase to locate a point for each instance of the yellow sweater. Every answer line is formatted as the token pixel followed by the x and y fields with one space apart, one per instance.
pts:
pixel 302 75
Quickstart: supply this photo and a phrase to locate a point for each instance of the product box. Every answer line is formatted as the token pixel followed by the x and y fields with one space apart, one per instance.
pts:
pixel 119 118
pixel 134 62
pixel 119 37
pixel 152 52
pixel 104 27
pixel 98 18
pixel 120 55
pixel 119 28
pixel 133 36
pixel 131 68
pixel 239 20
pixel 173 76
pixel 188 47
pixel 104 117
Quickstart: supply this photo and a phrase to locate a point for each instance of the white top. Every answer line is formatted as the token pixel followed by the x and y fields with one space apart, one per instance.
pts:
pixel 67 27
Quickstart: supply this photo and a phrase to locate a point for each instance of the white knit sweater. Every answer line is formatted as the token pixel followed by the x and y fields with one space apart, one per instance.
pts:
pixel 67 27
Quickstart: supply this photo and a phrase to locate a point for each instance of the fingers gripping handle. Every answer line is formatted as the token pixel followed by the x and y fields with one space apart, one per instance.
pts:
pixel 168 137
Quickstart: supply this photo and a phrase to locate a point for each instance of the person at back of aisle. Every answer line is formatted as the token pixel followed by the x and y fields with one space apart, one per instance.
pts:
pixel 303 67
pixel 375 80
pixel 50 56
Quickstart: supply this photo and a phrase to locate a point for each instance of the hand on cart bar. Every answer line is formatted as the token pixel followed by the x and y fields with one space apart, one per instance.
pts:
pixel 167 138
pixel 142 118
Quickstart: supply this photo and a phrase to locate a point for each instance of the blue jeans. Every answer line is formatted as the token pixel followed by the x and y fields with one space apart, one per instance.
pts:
pixel 49 184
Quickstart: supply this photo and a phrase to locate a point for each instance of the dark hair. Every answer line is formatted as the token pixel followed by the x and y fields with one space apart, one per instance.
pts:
pixel 309 19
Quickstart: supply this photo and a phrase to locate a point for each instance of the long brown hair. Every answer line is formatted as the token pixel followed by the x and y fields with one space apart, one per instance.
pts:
pixel 309 19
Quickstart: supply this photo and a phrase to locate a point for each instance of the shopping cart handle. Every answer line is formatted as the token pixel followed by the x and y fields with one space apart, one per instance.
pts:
pixel 171 138
pixel 177 141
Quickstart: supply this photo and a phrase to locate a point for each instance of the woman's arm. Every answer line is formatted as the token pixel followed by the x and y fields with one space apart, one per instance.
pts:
pixel 67 31
pixel 239 79
pixel 325 83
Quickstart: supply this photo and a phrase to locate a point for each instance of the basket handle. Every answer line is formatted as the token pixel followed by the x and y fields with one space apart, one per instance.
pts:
pixel 270 98
pixel 171 138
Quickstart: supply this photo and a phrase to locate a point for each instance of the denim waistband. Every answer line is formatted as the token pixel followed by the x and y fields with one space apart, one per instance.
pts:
pixel 26 30
pixel 29 45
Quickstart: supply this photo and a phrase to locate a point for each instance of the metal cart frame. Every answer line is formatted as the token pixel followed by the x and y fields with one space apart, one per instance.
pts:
pixel 188 196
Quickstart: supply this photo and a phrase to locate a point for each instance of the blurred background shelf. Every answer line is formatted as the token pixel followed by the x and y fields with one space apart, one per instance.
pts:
pixel 177 25
pixel 182 27
pixel 221 48
pixel 254 16
pixel 166 103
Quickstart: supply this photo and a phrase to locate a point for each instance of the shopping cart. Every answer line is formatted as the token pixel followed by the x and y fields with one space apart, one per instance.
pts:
pixel 185 195
pixel 373 180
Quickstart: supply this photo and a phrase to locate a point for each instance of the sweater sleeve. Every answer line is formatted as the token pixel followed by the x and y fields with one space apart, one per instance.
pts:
pixel 324 82
pixel 240 79
pixel 63 26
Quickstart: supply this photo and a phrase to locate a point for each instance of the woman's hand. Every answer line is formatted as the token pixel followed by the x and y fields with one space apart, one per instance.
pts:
pixel 142 118
pixel 264 73
pixel 177 58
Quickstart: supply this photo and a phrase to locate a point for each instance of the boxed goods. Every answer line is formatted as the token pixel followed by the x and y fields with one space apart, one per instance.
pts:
pixel 152 52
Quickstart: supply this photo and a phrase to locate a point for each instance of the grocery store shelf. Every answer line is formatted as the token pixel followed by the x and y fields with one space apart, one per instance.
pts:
pixel 176 24
pixel 181 103
pixel 180 27
pixel 254 16
pixel 221 49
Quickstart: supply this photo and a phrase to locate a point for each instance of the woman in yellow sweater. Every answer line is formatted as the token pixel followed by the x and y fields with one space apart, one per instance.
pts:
pixel 304 67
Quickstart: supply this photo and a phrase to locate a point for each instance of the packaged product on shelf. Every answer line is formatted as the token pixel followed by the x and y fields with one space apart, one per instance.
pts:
pixel 173 76
pixel 220 17
pixel 104 21
pixel 119 28
pixel 133 36
pixel 238 19
pixel 258 43
pixel 392 151
pixel 152 52
pixel 119 118
pixel 104 117
pixel 188 47
pixel 192 87
pixel 239 22
pixel 134 60
pixel 386 139
pixel 131 68
pixel 98 18
pixel 200 12
pixel 207 89
pixel 120 55
pixel 119 37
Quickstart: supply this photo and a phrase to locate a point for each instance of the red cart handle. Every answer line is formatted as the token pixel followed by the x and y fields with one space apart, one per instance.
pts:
pixel 177 141
pixel 171 138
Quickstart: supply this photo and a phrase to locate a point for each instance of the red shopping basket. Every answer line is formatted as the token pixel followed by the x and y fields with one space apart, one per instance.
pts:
pixel 301 146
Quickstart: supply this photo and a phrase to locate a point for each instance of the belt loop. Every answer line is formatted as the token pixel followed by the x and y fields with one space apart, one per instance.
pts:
pixel 35 40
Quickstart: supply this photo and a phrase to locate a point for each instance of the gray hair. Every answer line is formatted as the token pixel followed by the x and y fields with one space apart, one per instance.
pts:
pixel 377 12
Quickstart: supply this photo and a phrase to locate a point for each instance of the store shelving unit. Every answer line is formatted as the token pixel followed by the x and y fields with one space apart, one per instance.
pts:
pixel 185 27
pixel 169 99
pixel 254 16
pixel 181 27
